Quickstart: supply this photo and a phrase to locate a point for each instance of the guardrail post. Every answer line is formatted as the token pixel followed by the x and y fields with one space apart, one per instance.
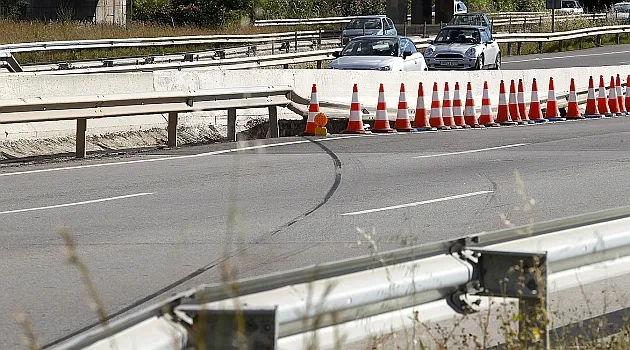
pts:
pixel 319 64
pixel 81 141
pixel 540 46
pixel 424 30
pixel 285 66
pixel 524 24
pixel 518 48
pixel 560 45
pixel 274 129
pixel 618 39
pixel 540 24
pixel 319 39
pixel 581 43
pixel 273 47
pixel 231 124
pixel 510 24
pixel 296 41
pixel 509 49
pixel 171 138
pixel 598 40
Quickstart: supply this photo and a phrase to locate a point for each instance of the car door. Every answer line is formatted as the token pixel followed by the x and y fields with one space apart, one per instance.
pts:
pixel 415 60
pixel 491 49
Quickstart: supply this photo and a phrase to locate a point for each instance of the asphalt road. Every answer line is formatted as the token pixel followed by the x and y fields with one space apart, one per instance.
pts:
pixel 613 55
pixel 153 223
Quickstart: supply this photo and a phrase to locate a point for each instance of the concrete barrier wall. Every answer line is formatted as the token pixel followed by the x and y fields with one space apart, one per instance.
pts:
pixel 332 85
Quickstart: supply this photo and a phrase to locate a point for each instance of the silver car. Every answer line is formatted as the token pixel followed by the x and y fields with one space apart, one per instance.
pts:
pixel 384 53
pixel 463 47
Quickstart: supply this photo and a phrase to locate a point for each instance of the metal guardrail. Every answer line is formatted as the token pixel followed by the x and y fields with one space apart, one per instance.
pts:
pixel 82 108
pixel 386 292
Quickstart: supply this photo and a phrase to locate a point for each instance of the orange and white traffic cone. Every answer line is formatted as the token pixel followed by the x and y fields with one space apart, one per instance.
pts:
pixel 573 110
pixel 355 122
pixel 535 111
pixel 458 111
pixel 623 109
pixel 602 101
pixel 627 101
pixel 513 104
pixel 313 110
pixel 470 114
pixel 421 122
pixel 503 113
pixel 435 118
pixel 447 108
pixel 613 103
pixel 522 107
pixel 486 118
pixel 402 118
pixel 552 113
pixel 591 102
pixel 381 123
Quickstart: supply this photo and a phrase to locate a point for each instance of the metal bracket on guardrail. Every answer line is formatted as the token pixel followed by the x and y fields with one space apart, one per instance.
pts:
pixel 228 329
pixel 7 60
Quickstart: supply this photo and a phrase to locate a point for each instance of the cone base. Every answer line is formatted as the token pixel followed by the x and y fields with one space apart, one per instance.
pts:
pixel 493 125
pixel 574 117
pixel 353 132
pixel 592 116
pixel 559 119
pixel 540 121
pixel 307 134
pixel 508 123
pixel 476 126
pixel 404 130
pixel 384 131
pixel 444 128
pixel 464 126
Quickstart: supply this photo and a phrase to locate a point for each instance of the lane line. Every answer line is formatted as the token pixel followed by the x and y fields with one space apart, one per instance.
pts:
pixel 569 56
pixel 188 156
pixel 418 203
pixel 75 203
pixel 471 151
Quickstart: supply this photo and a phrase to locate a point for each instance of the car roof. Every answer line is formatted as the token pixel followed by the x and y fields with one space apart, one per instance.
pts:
pixel 463 26
pixel 381 37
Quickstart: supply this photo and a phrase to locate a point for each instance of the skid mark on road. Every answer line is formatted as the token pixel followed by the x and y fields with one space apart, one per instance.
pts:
pixel 75 203
pixel 471 151
pixel 437 200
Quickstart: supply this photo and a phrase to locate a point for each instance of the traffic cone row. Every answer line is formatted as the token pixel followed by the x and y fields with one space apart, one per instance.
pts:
pixel 448 114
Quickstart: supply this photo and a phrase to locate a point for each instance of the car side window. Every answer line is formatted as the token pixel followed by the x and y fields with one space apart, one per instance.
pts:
pixel 408 46
pixel 386 24
pixel 461 7
pixel 484 36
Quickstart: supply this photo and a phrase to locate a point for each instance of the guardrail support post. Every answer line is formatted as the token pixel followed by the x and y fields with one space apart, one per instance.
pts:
pixel 540 46
pixel 81 141
pixel 319 64
pixel 560 45
pixel 581 43
pixel 296 41
pixel 319 39
pixel 231 124
pixel 618 39
pixel 518 48
pixel 598 40
pixel 285 66
pixel 171 140
pixel 509 49
pixel 274 129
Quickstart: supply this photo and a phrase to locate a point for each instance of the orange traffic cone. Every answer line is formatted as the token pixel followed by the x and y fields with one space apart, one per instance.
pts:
pixel 623 109
pixel 522 107
pixel 503 113
pixel 421 122
pixel 602 103
pixel 381 124
pixel 486 118
pixel 552 113
pixel 355 122
pixel 627 101
pixel 447 108
pixel 513 104
pixel 612 99
pixel 470 114
pixel 591 101
pixel 313 110
pixel 458 112
pixel 435 118
pixel 535 111
pixel 573 110
pixel 402 118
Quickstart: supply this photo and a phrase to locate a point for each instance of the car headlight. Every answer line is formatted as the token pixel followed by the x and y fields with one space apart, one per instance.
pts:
pixel 428 51
pixel 384 68
pixel 472 52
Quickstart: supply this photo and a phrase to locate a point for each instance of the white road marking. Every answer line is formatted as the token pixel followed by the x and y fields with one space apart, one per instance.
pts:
pixel 570 56
pixel 75 204
pixel 418 203
pixel 151 160
pixel 471 151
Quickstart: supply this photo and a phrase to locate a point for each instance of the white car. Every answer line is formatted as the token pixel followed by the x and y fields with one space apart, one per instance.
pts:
pixel 620 10
pixel 570 7
pixel 384 53
pixel 463 47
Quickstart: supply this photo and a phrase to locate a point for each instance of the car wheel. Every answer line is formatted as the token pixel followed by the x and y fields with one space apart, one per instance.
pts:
pixel 479 63
pixel 497 62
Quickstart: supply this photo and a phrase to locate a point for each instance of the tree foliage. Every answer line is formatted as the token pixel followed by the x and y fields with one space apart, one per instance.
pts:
pixel 13 9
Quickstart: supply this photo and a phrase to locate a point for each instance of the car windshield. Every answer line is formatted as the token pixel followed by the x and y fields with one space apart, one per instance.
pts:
pixel 622 7
pixel 458 36
pixel 371 47
pixel 367 23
